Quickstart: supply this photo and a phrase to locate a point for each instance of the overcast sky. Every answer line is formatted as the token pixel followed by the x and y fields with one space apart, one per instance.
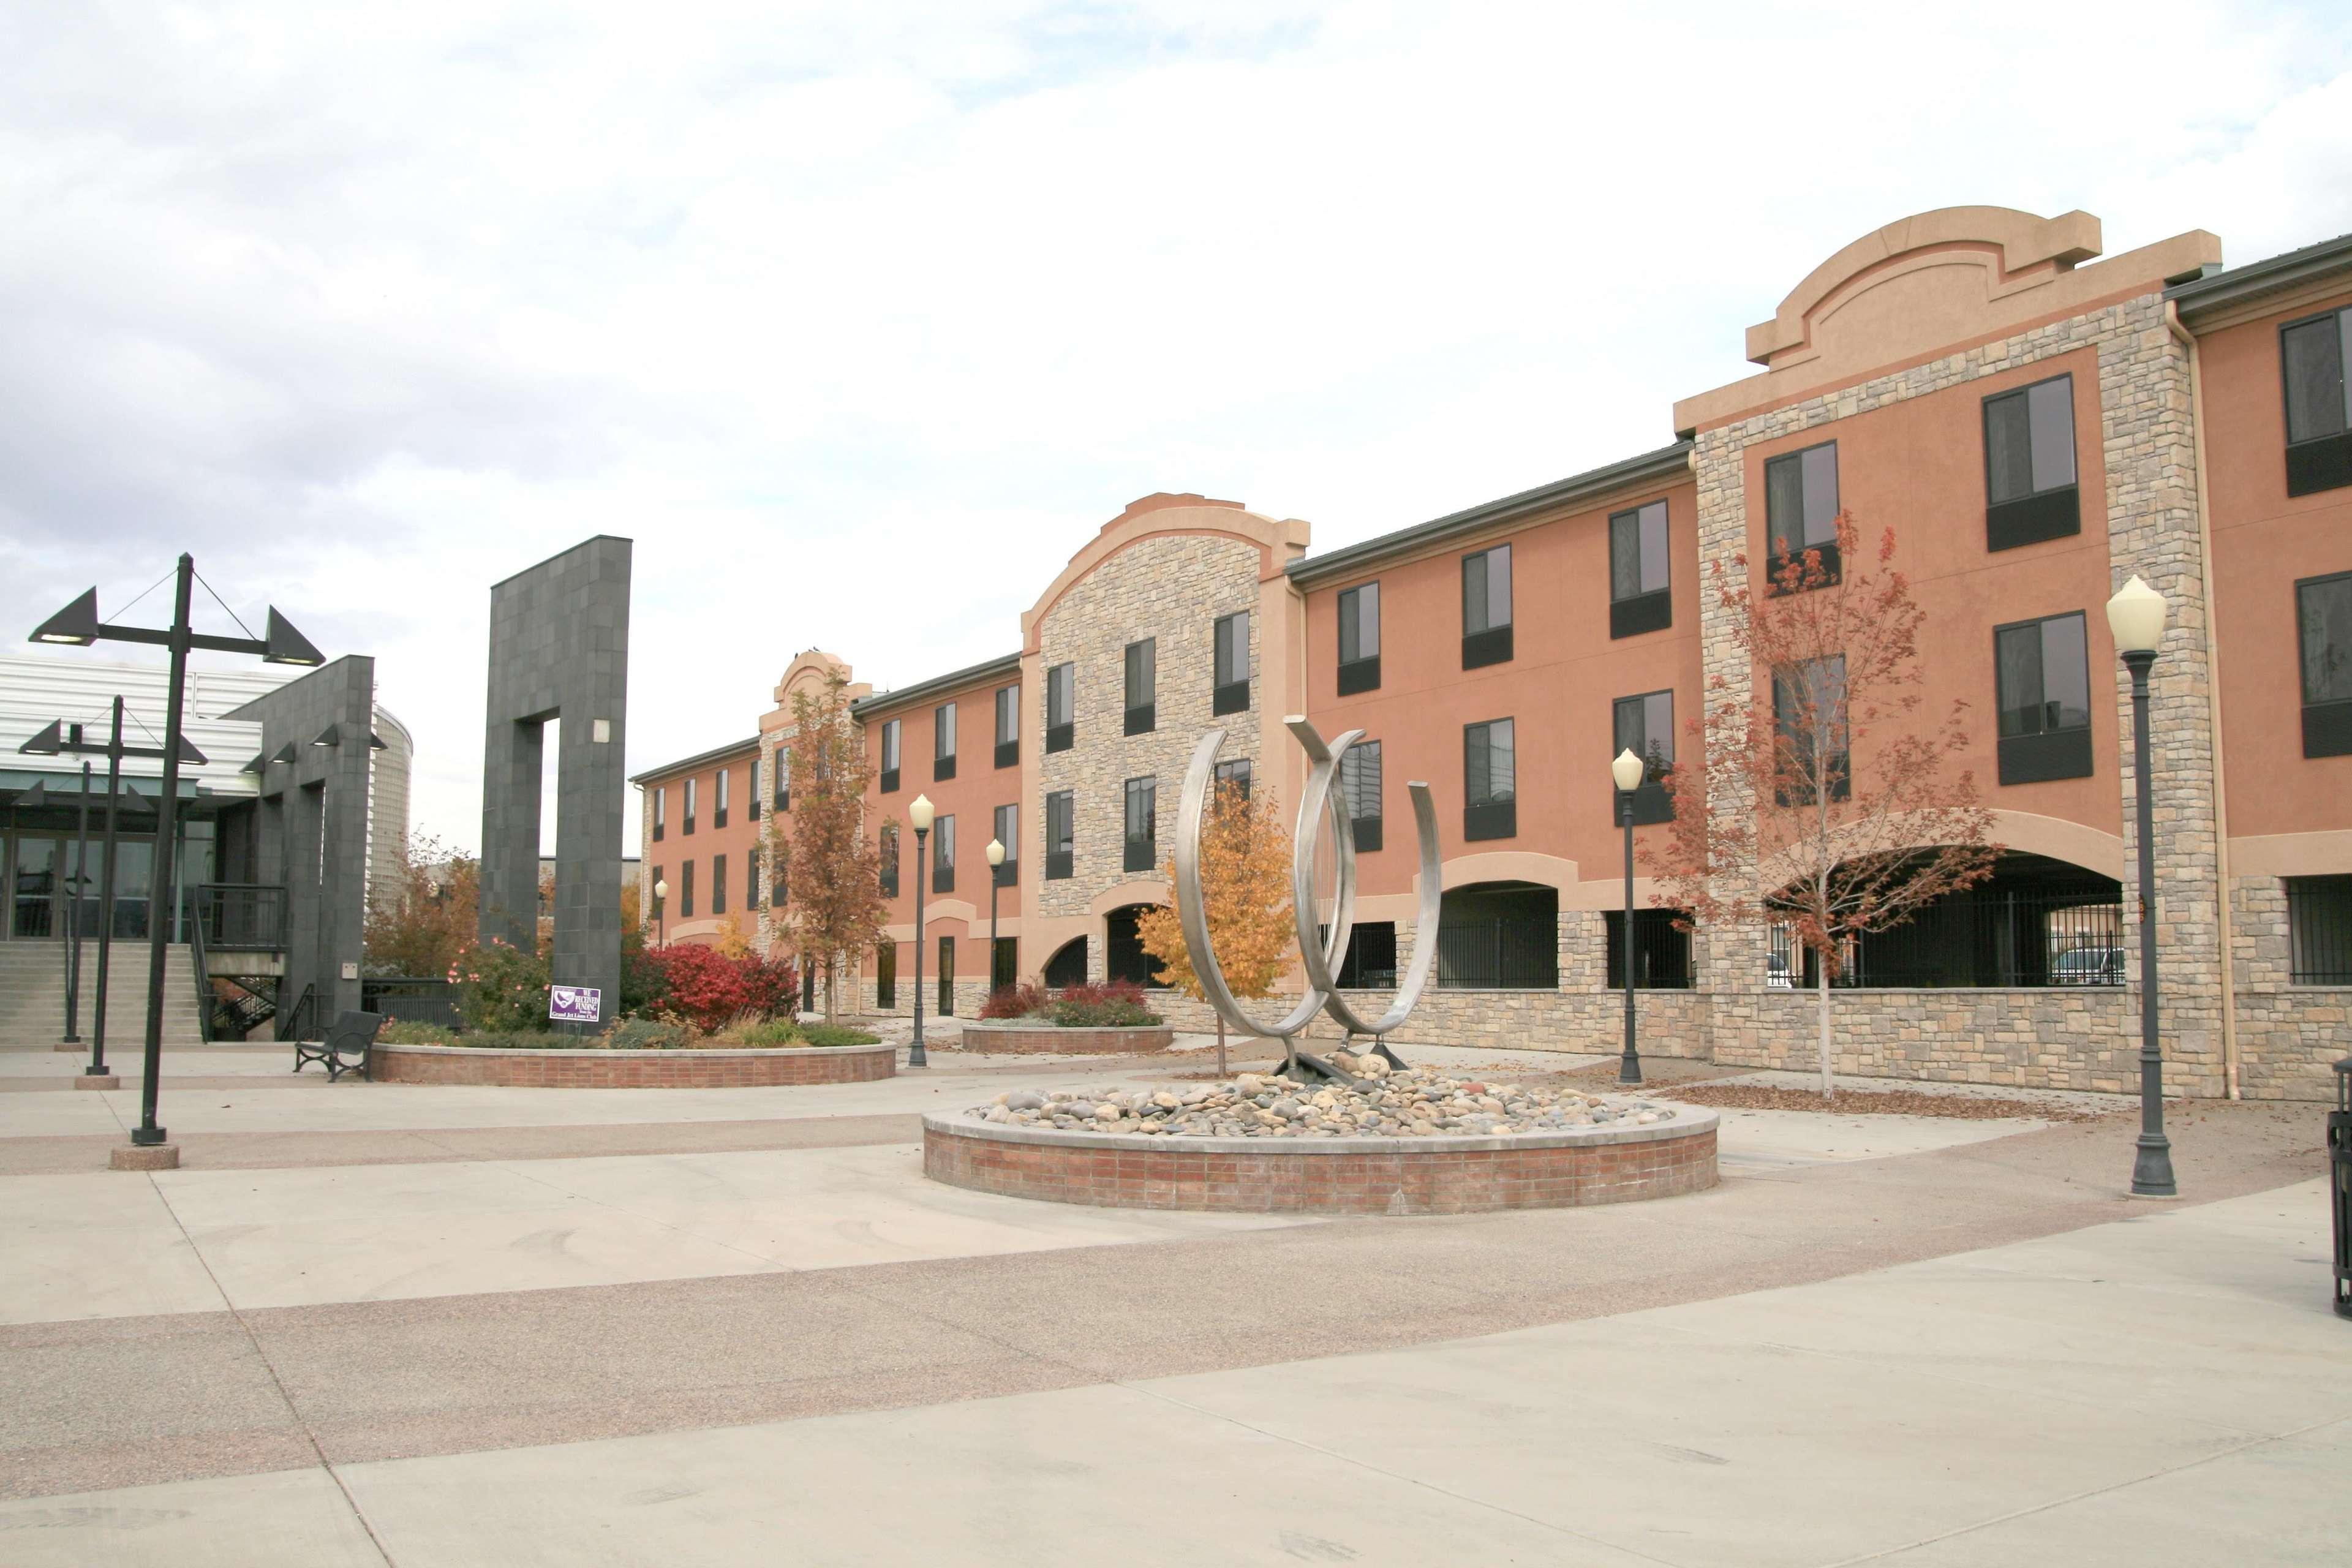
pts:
pixel 860 318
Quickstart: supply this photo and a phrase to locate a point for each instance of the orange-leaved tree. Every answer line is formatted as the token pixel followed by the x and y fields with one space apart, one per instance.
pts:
pixel 426 913
pixel 1825 800
pixel 819 853
pixel 1245 893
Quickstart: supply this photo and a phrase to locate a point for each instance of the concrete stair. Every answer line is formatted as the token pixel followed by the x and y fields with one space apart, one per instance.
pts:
pixel 32 1003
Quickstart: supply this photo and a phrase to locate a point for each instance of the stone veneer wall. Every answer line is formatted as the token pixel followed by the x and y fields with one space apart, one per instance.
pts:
pixel 1172 588
pixel 2289 1035
pixel 2150 462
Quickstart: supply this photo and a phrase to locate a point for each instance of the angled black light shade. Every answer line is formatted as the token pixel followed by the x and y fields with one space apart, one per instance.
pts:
pixel 49 743
pixel 259 762
pixel 188 753
pixel 130 799
pixel 285 753
pixel 375 742
pixel 34 798
pixel 284 644
pixel 332 735
pixel 75 625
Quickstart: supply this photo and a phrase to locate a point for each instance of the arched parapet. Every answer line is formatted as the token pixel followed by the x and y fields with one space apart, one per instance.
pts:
pixel 809 672
pixel 1507 866
pixel 2075 843
pixel 1137 890
pixel 1276 541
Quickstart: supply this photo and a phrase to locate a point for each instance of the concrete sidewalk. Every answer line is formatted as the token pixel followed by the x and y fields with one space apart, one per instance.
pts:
pixel 2167 1389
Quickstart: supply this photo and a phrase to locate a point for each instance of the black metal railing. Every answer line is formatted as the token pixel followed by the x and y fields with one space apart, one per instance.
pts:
pixel 1662 952
pixel 241 917
pixel 412 999
pixel 1499 955
pixel 2319 930
pixel 300 1022
pixel 1993 939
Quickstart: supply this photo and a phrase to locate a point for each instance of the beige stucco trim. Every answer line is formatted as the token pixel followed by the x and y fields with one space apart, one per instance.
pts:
pixel 1506 865
pixel 808 671
pixel 1120 895
pixel 2073 842
pixel 1277 541
pixel 2327 853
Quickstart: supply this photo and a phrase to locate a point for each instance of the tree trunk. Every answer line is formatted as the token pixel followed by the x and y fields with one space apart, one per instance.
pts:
pixel 1822 986
pixel 831 991
pixel 1221 1045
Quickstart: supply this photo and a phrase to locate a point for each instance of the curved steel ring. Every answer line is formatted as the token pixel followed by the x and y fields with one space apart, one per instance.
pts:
pixel 1424 935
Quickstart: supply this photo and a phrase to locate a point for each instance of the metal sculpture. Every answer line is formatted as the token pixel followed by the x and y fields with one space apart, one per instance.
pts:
pixel 1319 951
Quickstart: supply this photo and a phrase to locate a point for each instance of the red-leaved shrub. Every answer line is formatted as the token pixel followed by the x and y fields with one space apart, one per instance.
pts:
pixel 1118 1002
pixel 706 988
pixel 1016 1000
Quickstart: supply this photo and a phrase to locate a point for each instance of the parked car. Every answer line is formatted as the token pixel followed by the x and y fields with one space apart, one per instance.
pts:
pixel 2091 966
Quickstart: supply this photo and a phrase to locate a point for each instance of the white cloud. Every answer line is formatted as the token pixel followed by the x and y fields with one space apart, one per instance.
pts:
pixel 860 318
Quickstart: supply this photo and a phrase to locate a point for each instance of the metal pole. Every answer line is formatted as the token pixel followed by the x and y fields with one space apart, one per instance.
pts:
pixel 1628 1069
pixel 2152 1166
pixel 73 910
pixel 147 1134
pixel 991 928
pixel 97 1068
pixel 915 1057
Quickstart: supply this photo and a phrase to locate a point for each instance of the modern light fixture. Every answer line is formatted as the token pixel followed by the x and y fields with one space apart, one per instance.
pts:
pixel 76 626
pixel 995 852
pixel 1626 772
pixel 921 814
pixel 661 910
pixel 995 860
pixel 2137 614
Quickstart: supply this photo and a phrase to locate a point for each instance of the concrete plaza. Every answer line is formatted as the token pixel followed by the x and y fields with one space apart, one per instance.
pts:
pixel 383 1323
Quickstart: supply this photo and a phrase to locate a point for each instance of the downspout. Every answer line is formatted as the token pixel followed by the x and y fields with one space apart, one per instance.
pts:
pixel 2225 923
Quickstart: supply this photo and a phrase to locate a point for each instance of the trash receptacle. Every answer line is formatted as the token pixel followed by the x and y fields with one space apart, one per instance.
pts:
pixel 2340 1182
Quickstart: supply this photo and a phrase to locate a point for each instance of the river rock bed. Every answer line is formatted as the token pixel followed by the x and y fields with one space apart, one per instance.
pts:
pixel 1417 1103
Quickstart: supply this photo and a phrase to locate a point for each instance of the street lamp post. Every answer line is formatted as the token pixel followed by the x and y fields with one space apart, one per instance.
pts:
pixel 1626 772
pixel 78 625
pixel 2136 615
pixel 661 912
pixel 920 814
pixel 996 864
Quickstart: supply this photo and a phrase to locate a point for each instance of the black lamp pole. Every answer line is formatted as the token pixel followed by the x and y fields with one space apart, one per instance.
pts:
pixel 915 1057
pixel 1629 1067
pixel 2152 1166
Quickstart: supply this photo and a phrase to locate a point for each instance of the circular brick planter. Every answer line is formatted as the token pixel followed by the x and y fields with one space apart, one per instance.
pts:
pixel 1611 1165
pixel 632 1070
pixel 1048 1039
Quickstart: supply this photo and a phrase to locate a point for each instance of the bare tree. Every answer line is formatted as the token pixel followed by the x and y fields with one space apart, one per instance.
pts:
pixel 1838 806
pixel 819 853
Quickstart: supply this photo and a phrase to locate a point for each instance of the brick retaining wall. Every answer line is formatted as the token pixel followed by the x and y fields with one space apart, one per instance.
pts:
pixel 633 1070
pixel 1053 1040
pixel 1332 1176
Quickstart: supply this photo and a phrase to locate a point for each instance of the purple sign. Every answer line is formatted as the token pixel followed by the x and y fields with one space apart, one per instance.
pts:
pixel 574 1004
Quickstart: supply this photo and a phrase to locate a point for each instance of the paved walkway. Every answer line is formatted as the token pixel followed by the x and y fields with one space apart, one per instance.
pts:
pixel 424 1326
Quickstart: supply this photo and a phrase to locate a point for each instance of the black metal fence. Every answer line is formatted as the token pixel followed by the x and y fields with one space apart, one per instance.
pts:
pixel 2319 928
pixel 1662 954
pixel 1503 955
pixel 1997 938
pixel 241 916
pixel 412 998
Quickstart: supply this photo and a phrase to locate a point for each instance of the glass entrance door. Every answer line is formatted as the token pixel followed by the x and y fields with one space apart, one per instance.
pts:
pixel 35 888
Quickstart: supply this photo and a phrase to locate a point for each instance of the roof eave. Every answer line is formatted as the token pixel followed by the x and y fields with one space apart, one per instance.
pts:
pixel 938 685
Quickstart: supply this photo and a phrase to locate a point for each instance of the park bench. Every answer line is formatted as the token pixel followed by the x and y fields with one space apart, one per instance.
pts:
pixel 345 1048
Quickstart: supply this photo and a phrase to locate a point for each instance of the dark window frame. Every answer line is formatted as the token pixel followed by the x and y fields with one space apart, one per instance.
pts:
pixel 1141 718
pixel 661 810
pixel 1139 853
pixel 945 983
pixel 1644 609
pixel 781 764
pixel 944 851
pixel 1233 770
pixel 719 884
pixel 1359 671
pixel 1776 559
pixel 721 796
pixel 886 974
pixel 892 749
pixel 2324 462
pixel 1229 692
pixel 1006 819
pixel 1653 803
pixel 1492 642
pixel 752 791
pixel 1008 708
pixel 2048 751
pixel 693 799
pixel 1364 827
pixel 686 890
pixel 1491 816
pixel 1061 734
pixel 2035 515
pixel 1840 764
pixel 887 855
pixel 944 733
pixel 1061 840
pixel 2327 725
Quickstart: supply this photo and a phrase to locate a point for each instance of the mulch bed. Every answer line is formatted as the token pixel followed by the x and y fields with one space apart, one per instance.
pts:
pixel 1884 1102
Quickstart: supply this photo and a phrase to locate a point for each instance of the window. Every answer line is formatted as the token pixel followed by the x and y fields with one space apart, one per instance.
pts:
pixel 1487 607
pixel 1359 640
pixel 1489 780
pixel 661 810
pixel 1661 951
pixel 1235 773
pixel 943 855
pixel 656 883
pixel 780 892
pixel 944 741
pixel 886 974
pixel 686 891
pixel 887 852
pixel 1142 687
pixel 783 772
pixel 2030 493
pixel 690 793
pixel 1008 833
pixel 947 977
pixel 1644 725
pixel 2323 612
pixel 1801 507
pixel 719 884
pixel 1143 824
pixel 1359 783
pixel 1639 596
pixel 2041 670
pixel 719 806
pixel 889 759
pixel 1232 660
pixel 1061 812
pixel 1369 963
pixel 1061 707
pixel 2313 356
pixel 2319 930
pixel 1004 963
pixel 751 793
pixel 1808 707
pixel 1008 726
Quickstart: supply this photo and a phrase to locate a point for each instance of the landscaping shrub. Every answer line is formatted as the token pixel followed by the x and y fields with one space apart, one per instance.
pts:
pixel 500 987
pixel 1119 1003
pixel 768 1031
pixel 410 1032
pixel 643 1034
pixel 708 989
pixel 1017 1001
pixel 836 1035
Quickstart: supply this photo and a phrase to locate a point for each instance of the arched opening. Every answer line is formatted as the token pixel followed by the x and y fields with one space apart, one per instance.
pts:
pixel 2035 922
pixel 1123 954
pixel 1498 936
pixel 1068 964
